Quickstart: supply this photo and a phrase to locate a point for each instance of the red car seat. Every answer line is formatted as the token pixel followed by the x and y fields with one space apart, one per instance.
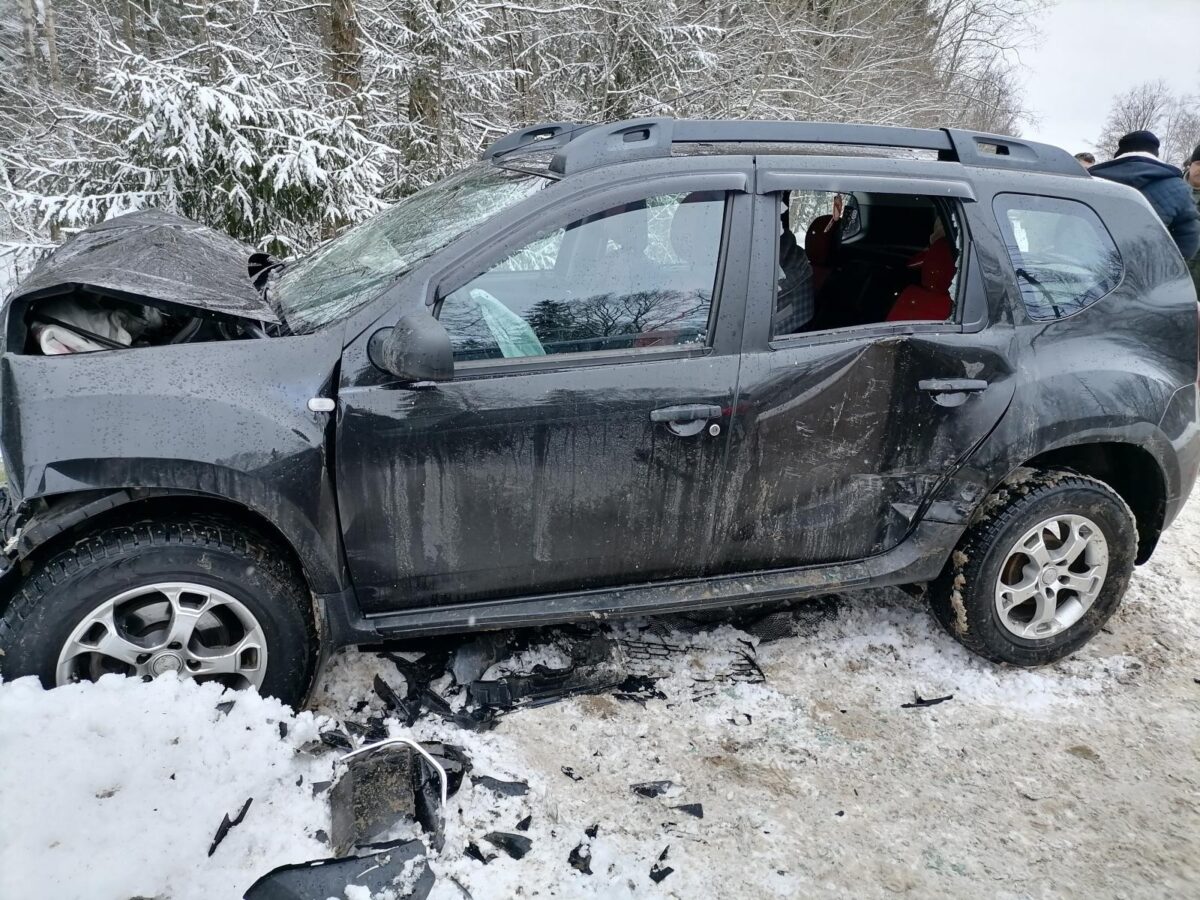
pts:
pixel 930 300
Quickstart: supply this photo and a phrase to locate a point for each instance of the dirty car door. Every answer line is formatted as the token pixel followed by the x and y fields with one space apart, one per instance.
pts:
pixel 843 435
pixel 582 440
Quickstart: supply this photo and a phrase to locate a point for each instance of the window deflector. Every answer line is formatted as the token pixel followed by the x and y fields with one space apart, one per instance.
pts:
pixel 771 179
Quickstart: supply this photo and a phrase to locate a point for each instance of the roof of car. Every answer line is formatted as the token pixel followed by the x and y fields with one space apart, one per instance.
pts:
pixel 578 147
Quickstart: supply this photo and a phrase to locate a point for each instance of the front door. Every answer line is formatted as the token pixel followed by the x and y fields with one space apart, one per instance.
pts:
pixel 582 441
pixel 861 387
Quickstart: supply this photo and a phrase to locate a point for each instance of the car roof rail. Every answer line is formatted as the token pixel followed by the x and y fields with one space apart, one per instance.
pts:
pixel 551 134
pixel 583 147
pixel 996 151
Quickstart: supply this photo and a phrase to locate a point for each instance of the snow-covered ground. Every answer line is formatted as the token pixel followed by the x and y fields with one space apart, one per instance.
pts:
pixel 1082 779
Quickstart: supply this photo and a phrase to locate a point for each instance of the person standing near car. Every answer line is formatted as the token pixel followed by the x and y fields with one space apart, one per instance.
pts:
pixel 1137 165
pixel 1192 173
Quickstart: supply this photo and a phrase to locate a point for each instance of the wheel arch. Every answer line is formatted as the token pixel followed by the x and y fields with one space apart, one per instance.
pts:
pixel 1130 470
pixel 57 520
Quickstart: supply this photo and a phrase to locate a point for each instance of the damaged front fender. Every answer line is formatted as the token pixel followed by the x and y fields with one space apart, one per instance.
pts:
pixel 228 421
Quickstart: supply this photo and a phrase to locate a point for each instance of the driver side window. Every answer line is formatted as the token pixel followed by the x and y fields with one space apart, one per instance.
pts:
pixel 637 276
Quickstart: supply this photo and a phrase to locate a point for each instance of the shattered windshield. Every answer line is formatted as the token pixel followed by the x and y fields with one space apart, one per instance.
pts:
pixel 356 267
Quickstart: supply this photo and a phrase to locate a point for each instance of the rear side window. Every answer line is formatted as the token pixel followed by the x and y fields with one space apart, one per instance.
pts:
pixel 1064 258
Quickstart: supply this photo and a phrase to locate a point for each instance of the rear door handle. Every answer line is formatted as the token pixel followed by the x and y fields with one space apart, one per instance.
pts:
pixel 687 413
pixel 952 385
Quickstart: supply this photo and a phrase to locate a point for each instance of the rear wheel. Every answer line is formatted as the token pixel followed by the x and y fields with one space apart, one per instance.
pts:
pixel 206 600
pixel 1043 570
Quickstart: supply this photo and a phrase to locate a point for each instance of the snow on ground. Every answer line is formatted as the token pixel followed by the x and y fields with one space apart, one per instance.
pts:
pixel 1078 779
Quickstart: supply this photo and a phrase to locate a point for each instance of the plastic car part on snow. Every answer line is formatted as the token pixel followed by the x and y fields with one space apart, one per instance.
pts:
pixel 398 867
pixel 377 788
pixel 382 784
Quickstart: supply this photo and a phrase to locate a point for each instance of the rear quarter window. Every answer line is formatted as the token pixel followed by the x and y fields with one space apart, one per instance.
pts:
pixel 1063 256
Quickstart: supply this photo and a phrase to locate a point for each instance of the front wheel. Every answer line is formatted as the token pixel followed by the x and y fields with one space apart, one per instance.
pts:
pixel 207 600
pixel 1043 570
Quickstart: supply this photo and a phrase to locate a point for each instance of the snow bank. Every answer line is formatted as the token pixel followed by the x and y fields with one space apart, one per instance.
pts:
pixel 115 790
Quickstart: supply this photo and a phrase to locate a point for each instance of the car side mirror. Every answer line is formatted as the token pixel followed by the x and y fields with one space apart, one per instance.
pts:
pixel 416 348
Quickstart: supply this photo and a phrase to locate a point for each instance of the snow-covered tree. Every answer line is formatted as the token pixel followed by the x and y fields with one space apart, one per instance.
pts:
pixel 282 122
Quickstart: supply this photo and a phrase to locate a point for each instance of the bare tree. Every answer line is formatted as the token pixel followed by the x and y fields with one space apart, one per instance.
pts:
pixel 1153 106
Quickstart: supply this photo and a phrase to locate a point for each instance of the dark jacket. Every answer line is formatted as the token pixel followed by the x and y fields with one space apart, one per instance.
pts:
pixel 1163 185
pixel 1196 259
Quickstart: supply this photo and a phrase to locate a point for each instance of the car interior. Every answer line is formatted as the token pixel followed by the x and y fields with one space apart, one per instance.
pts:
pixel 885 258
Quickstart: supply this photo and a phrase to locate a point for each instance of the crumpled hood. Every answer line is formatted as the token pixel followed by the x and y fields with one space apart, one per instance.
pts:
pixel 1135 171
pixel 157 256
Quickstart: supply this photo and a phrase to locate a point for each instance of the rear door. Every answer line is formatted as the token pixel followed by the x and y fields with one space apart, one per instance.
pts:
pixel 582 441
pixel 844 433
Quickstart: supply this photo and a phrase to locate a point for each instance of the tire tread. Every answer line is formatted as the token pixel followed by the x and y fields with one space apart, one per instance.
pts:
pixel 1005 504
pixel 113 541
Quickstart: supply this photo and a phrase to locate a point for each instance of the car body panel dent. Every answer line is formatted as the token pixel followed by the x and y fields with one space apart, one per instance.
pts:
pixel 158 256
pixel 838 449
pixel 226 420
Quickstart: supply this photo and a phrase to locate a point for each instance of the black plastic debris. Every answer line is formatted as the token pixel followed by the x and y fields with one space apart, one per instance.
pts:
pixel 388 783
pixel 503 788
pixel 658 871
pixel 591 670
pixel 427 786
pixel 225 706
pixel 372 794
pixel 475 657
pixel 472 851
pixel 374 729
pixel 524 824
pixel 570 773
pixel 692 809
pixel 379 870
pixel 515 845
pixel 920 702
pixel 336 739
pixel 580 858
pixel 652 788
pixel 409 708
pixel 654 647
pixel 639 689
pixel 790 618
pixel 283 730
pixel 418 695
pixel 320 787
pixel 226 824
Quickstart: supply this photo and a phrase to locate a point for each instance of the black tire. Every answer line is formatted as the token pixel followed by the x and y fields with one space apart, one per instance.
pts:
pixel 61 589
pixel 964 595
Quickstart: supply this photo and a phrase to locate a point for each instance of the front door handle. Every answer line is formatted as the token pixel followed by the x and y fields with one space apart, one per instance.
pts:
pixel 952 385
pixel 687 413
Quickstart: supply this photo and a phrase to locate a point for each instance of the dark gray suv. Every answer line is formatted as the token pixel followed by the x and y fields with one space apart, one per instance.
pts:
pixel 606 370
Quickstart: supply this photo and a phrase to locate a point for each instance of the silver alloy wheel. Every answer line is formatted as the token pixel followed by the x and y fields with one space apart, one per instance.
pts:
pixel 193 630
pixel 1051 577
